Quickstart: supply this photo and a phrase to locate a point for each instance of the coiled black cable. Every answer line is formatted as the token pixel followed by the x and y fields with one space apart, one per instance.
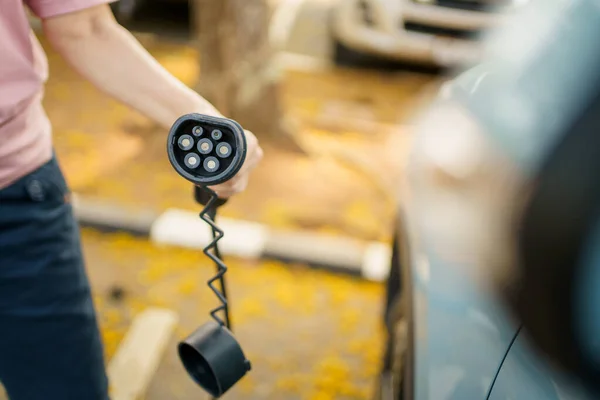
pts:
pixel 208 215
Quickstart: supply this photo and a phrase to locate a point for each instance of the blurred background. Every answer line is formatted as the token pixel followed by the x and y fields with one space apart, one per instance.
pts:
pixel 329 87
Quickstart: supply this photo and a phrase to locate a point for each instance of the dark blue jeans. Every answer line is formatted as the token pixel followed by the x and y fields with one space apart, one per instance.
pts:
pixel 50 346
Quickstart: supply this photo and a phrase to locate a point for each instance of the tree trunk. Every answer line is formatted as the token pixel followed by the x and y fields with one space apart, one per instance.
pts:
pixel 237 72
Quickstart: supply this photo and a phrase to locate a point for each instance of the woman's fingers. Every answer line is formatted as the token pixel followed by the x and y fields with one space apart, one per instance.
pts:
pixel 239 182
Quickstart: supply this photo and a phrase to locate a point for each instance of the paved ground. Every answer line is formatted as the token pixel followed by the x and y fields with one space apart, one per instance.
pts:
pixel 309 335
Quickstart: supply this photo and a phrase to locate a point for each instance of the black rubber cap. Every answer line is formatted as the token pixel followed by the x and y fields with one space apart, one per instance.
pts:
pixel 213 358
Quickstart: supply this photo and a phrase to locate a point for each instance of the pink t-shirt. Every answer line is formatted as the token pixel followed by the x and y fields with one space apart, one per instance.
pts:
pixel 25 132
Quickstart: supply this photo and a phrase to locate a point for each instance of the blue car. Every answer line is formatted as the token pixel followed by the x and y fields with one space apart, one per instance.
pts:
pixel 477 155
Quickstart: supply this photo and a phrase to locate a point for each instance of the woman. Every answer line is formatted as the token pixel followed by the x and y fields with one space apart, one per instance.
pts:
pixel 50 346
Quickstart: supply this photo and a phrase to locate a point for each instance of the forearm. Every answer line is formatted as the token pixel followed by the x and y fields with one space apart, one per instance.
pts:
pixel 112 59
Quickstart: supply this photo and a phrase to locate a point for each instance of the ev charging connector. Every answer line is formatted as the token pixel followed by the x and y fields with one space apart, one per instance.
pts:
pixel 208 151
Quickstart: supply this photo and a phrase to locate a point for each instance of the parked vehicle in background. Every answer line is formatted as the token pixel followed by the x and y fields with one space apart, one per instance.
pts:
pixel 476 160
pixel 442 33
pixel 171 19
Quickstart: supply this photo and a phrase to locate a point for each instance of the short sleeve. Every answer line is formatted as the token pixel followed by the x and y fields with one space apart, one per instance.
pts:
pixel 52 8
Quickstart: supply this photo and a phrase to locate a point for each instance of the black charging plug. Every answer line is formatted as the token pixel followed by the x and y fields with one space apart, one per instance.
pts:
pixel 208 151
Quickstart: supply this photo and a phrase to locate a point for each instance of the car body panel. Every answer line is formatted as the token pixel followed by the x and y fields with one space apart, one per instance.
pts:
pixel 514 105
pixel 529 85
pixel 525 376
pixel 461 335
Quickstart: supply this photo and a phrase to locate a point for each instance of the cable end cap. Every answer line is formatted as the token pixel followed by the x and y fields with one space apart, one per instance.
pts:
pixel 213 358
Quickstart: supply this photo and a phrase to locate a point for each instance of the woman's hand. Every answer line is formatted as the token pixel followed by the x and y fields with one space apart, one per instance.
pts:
pixel 239 182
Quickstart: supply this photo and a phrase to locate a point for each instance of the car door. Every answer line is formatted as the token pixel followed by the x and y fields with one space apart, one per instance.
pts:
pixel 460 335
pixel 524 375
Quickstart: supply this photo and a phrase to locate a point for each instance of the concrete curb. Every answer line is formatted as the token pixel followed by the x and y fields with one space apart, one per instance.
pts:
pixel 182 228
pixel 136 361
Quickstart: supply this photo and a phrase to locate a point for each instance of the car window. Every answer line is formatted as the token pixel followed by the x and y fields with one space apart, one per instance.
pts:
pixel 534 77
